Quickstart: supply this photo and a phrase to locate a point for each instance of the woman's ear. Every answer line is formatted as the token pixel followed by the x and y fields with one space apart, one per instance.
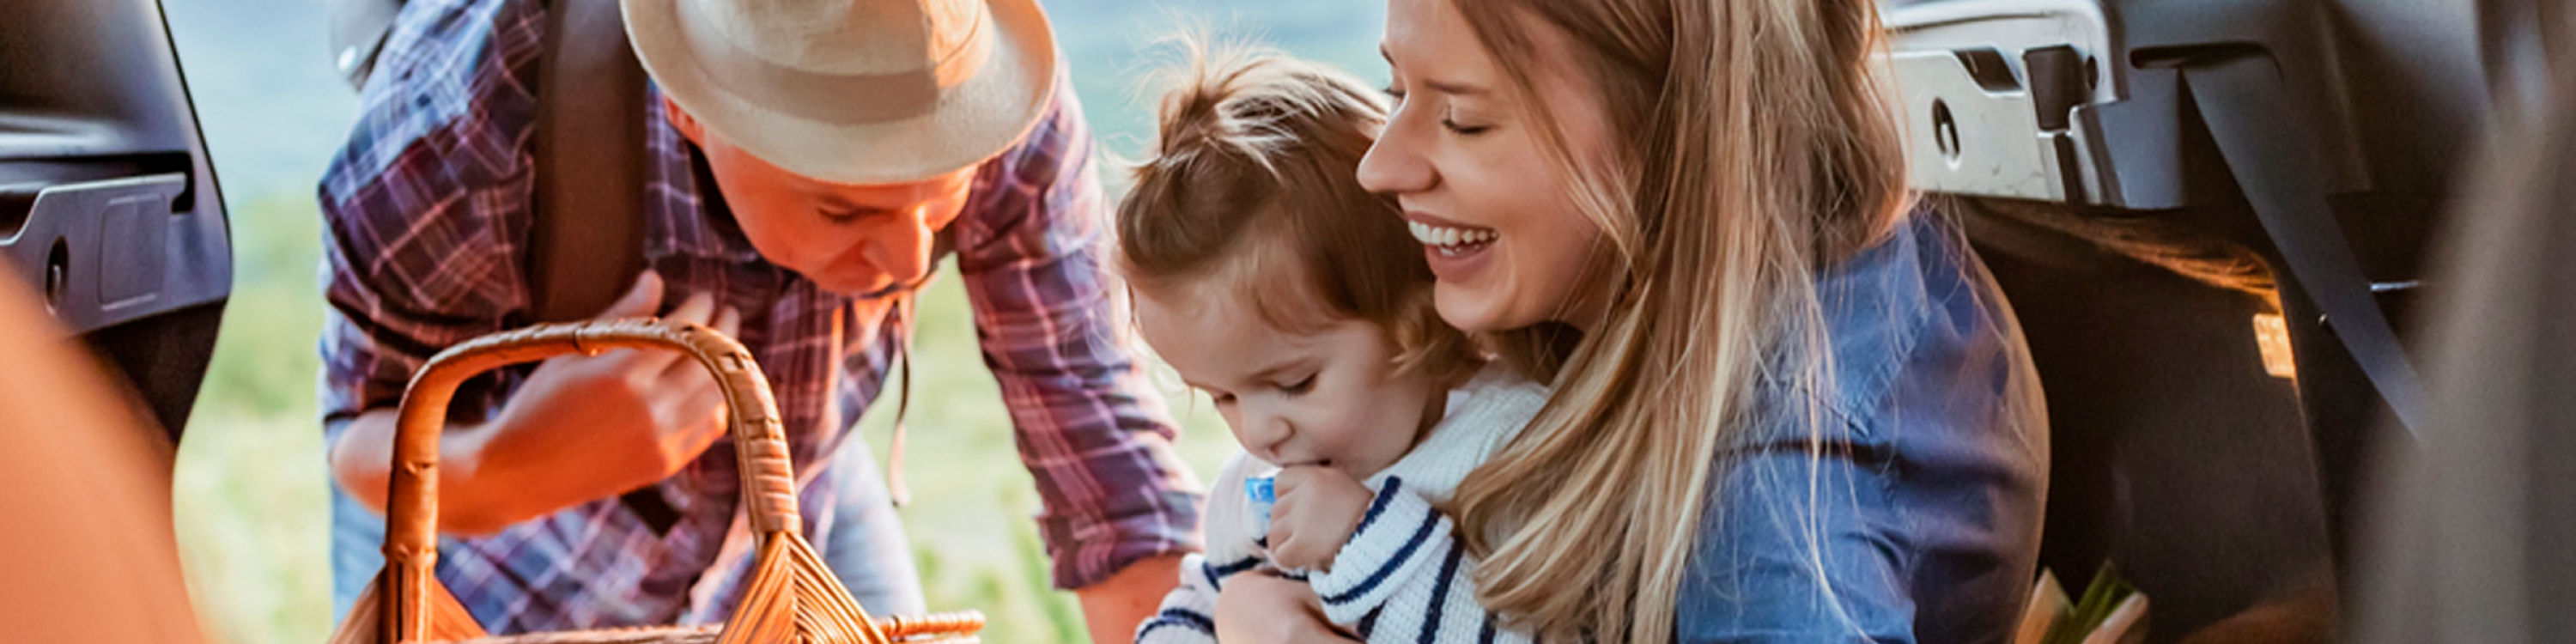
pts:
pixel 680 120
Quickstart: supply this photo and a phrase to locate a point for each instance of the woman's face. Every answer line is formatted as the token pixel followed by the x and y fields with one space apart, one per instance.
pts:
pixel 1468 160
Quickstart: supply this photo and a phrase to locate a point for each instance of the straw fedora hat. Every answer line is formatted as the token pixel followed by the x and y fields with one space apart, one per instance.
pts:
pixel 853 91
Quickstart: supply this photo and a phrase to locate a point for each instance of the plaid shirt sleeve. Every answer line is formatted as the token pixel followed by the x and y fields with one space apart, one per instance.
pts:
pixel 1091 429
pixel 425 206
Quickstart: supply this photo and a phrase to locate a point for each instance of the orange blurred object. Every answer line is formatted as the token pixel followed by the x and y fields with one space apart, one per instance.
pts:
pixel 90 554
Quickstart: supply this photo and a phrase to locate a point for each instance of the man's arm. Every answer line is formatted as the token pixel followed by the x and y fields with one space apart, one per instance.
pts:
pixel 1120 508
pixel 426 211
pixel 422 208
pixel 582 428
pixel 1112 609
pixel 360 454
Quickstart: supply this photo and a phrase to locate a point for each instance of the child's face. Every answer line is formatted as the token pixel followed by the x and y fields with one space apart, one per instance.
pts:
pixel 1331 397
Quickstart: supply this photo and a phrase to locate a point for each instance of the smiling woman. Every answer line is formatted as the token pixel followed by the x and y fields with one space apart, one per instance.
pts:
pixel 1492 229
pixel 1797 409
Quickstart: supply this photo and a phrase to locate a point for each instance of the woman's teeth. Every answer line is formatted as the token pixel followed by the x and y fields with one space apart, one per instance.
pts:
pixel 1450 240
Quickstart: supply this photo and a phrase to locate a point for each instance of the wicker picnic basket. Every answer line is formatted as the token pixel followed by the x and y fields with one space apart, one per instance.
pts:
pixel 791 596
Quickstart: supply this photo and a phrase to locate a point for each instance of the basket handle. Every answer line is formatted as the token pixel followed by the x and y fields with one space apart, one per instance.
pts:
pixel 957 623
pixel 411 509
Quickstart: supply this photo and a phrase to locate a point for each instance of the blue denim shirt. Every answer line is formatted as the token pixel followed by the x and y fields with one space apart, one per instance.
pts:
pixel 1917 516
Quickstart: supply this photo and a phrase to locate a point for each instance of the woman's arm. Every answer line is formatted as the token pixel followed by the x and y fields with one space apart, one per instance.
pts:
pixel 1797 547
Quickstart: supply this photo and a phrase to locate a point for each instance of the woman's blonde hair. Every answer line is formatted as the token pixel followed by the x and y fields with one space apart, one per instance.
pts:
pixel 1254 179
pixel 1750 148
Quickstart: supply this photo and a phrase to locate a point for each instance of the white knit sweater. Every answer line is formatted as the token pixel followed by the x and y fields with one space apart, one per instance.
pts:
pixel 1402 576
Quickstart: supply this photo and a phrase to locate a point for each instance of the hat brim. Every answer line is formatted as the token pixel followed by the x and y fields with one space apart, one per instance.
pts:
pixel 972 121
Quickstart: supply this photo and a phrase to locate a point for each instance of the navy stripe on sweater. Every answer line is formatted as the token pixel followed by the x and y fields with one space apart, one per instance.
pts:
pixel 1403 554
pixel 1181 617
pixel 1439 598
pixel 1378 505
pixel 1216 574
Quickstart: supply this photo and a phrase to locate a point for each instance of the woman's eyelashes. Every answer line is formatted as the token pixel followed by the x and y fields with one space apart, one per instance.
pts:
pixel 1448 122
pixel 1463 130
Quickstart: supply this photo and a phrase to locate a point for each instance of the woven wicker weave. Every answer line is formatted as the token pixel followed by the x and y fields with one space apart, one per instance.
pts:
pixel 791 598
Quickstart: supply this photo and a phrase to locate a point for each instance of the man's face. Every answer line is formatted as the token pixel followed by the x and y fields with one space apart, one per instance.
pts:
pixel 850 239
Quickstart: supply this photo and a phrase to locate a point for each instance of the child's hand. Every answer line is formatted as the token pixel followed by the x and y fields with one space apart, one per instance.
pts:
pixel 1264 608
pixel 1318 508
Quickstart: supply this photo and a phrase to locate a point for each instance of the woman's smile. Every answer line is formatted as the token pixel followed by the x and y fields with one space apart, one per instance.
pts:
pixel 1456 251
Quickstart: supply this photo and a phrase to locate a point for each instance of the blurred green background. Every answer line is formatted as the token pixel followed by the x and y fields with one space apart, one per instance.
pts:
pixel 252 510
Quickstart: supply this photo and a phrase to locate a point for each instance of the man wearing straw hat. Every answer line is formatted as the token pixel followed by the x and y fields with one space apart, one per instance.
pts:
pixel 803 155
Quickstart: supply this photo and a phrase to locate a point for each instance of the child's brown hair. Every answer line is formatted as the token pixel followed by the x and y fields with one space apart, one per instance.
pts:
pixel 1254 179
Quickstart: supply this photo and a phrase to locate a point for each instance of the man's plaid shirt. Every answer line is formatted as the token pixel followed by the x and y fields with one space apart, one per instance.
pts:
pixel 428 210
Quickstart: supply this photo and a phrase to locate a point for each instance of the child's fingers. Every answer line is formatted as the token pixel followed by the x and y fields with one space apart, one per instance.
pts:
pixel 1287 480
pixel 1293 553
pixel 1281 528
pixel 1293 545
pixel 1283 537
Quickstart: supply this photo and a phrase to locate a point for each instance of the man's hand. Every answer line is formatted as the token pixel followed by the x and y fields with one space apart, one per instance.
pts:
pixel 1261 608
pixel 1114 607
pixel 601 425
pixel 1317 510
pixel 581 428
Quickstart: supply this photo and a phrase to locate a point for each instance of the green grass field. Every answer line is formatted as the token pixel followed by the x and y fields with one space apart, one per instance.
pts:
pixel 252 508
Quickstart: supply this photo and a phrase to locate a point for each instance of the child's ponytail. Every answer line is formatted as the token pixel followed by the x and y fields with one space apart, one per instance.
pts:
pixel 1252 144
